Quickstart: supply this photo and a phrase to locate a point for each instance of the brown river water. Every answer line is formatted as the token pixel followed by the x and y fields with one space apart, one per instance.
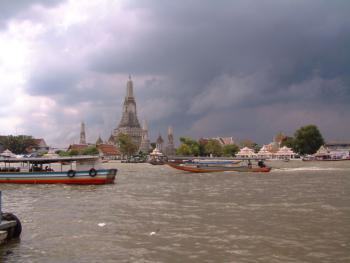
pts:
pixel 299 212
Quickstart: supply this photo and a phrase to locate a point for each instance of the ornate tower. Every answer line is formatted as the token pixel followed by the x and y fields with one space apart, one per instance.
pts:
pixel 129 124
pixel 82 134
pixel 170 148
pixel 159 143
pixel 145 143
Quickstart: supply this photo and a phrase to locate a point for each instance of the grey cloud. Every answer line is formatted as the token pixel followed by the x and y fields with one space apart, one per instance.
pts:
pixel 212 62
pixel 11 8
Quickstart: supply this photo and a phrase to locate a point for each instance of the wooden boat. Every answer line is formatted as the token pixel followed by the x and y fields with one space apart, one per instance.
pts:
pixel 81 170
pixel 217 168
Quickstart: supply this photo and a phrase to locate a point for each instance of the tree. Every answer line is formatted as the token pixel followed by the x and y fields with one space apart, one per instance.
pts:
pixel 18 144
pixel 184 150
pixel 73 152
pixel 192 146
pixel 90 150
pixel 213 147
pixel 308 139
pixel 153 145
pixel 63 153
pixel 126 145
pixel 230 150
pixel 289 142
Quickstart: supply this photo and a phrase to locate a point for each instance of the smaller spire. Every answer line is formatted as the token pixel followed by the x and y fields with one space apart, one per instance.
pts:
pixel 82 134
pixel 170 130
pixel 99 140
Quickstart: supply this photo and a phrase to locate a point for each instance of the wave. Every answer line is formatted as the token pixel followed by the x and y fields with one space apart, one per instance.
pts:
pixel 314 168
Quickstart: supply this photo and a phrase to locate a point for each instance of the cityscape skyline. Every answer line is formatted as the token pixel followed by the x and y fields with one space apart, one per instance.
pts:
pixel 246 69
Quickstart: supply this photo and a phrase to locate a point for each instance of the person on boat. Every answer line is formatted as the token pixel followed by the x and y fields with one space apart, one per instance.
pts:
pixel 261 164
pixel 249 164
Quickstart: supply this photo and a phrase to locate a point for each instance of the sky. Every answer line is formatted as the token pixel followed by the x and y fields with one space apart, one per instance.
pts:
pixel 245 68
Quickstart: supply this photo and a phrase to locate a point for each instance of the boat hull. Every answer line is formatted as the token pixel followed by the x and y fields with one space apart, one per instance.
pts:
pixel 103 176
pixel 214 169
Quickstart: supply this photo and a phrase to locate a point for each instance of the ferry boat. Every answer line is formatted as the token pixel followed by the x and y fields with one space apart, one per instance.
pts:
pixel 80 170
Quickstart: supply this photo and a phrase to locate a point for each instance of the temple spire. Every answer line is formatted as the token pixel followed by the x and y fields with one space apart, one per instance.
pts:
pixel 129 88
pixel 82 134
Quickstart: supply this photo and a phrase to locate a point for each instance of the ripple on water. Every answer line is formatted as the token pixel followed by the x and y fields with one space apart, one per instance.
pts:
pixel 294 214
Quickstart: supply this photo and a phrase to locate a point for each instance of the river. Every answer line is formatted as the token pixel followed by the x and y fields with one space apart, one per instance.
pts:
pixel 299 212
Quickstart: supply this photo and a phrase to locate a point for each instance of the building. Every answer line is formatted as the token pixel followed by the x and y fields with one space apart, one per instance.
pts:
pixel 77 147
pixel 129 123
pixel 99 140
pixel 285 153
pixel 170 147
pixel 108 151
pixel 82 134
pixel 145 146
pixel 159 144
pixel 338 149
pixel 225 140
pixel 222 140
pixel 246 153
pixel 39 146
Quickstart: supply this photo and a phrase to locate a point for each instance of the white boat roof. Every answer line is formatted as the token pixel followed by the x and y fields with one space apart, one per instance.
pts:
pixel 39 160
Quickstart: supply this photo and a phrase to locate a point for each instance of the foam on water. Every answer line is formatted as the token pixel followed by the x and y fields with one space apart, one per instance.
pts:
pixel 313 168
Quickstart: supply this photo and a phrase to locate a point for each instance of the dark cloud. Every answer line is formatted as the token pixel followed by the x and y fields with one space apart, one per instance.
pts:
pixel 242 68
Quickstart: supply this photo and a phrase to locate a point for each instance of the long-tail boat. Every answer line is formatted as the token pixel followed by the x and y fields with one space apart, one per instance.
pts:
pixel 60 170
pixel 206 168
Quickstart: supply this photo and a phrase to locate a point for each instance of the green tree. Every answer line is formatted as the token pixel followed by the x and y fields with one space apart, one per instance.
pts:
pixel 202 143
pixel 230 150
pixel 18 144
pixel 308 139
pixel 184 150
pixel 126 145
pixel 73 152
pixel 289 142
pixel 153 145
pixel 90 150
pixel 213 147
pixel 192 144
pixel 63 153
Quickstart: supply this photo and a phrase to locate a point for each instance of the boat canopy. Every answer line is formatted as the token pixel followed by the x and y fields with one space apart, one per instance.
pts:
pixel 40 160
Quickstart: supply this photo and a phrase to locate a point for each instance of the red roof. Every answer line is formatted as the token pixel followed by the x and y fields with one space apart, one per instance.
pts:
pixel 108 149
pixel 77 147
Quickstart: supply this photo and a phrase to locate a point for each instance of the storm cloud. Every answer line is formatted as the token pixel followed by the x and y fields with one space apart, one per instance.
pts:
pixel 246 69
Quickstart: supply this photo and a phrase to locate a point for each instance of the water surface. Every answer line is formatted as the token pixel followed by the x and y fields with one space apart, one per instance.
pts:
pixel 300 212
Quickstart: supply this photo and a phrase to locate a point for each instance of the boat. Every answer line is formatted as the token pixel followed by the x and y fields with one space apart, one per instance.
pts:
pixel 212 162
pixel 206 168
pixel 81 170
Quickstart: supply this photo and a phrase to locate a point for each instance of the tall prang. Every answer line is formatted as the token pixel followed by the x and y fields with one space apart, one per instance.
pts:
pixel 170 147
pixel 145 142
pixel 129 124
pixel 82 134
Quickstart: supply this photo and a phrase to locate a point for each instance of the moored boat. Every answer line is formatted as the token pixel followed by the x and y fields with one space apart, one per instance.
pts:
pixel 81 170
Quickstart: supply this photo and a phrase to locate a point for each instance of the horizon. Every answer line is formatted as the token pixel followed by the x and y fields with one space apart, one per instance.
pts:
pixel 242 69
